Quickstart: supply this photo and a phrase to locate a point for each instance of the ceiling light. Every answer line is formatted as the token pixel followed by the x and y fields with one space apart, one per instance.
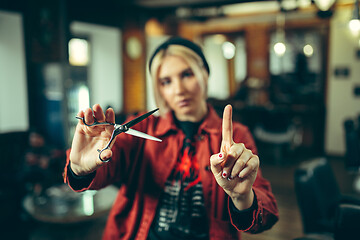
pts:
pixel 324 5
pixel 228 50
pixel 308 50
pixel 354 23
pixel 280 48
pixel 304 3
pixel 289 5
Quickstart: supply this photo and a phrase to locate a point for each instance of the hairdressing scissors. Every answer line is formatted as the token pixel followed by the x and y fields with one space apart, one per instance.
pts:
pixel 123 128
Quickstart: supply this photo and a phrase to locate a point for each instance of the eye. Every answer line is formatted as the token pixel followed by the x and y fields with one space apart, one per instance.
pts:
pixel 187 73
pixel 164 81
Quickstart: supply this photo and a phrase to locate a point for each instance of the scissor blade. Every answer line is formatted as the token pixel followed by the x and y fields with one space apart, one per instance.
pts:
pixel 139 119
pixel 142 135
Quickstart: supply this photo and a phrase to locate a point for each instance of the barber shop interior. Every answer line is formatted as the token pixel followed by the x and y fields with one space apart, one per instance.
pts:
pixel 74 73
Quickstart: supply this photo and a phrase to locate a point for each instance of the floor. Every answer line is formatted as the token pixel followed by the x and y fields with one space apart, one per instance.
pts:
pixel 289 225
pixel 281 177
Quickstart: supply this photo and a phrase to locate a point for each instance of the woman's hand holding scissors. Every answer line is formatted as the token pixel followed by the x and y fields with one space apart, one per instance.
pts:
pixel 87 140
pixel 98 131
pixel 235 167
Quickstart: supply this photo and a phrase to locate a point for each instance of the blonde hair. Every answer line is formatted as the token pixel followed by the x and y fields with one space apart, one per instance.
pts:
pixel 190 57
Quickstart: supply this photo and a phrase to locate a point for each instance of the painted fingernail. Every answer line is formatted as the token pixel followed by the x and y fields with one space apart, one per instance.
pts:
pixel 221 156
pixel 224 175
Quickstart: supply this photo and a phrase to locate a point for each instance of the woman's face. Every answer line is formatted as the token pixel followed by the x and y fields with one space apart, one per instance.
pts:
pixel 181 90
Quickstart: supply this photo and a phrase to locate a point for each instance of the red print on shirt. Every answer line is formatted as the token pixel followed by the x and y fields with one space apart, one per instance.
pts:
pixel 188 168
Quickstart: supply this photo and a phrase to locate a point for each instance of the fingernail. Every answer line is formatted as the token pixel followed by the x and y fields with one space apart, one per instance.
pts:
pixel 221 155
pixel 224 175
pixel 230 178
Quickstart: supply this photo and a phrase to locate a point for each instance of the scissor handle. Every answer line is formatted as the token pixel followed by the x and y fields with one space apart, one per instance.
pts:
pixel 116 132
pixel 95 122
pixel 100 151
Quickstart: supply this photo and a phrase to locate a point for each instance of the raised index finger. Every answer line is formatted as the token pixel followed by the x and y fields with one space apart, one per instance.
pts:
pixel 227 129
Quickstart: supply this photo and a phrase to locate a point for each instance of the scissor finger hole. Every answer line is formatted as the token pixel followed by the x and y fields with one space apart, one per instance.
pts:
pixel 103 160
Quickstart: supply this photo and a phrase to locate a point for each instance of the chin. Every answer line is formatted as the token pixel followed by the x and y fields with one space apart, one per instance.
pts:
pixel 186 115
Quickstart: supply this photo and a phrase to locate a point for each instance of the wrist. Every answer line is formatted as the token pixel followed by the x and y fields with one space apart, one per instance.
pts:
pixel 243 201
pixel 76 170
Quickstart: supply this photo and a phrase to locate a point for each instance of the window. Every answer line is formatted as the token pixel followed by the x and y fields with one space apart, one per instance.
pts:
pixel 296 75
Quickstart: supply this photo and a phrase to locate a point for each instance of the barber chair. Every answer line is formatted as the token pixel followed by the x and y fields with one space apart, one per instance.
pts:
pixel 352 143
pixel 276 134
pixel 352 156
pixel 326 213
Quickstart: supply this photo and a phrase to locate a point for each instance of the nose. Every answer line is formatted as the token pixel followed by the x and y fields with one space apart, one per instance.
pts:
pixel 179 87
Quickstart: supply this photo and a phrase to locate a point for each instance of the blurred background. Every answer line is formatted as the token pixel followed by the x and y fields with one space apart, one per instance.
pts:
pixel 290 68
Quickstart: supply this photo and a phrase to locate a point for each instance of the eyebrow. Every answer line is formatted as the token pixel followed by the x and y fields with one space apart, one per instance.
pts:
pixel 187 70
pixel 181 72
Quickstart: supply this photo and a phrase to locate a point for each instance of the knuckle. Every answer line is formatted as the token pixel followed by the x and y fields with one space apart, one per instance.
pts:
pixel 243 163
pixel 256 157
pixel 232 153
pixel 251 165
pixel 242 145
pixel 246 155
pixel 248 151
pixel 237 149
pixel 255 161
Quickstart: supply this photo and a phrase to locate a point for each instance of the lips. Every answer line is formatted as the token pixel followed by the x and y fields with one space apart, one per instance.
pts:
pixel 183 103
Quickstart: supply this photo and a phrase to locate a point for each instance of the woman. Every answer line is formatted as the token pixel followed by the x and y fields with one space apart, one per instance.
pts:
pixel 201 182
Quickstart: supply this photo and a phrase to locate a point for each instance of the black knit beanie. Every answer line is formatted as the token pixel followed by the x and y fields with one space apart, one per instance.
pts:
pixel 183 42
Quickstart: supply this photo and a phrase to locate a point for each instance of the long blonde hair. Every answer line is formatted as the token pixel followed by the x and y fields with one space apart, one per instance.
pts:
pixel 190 57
